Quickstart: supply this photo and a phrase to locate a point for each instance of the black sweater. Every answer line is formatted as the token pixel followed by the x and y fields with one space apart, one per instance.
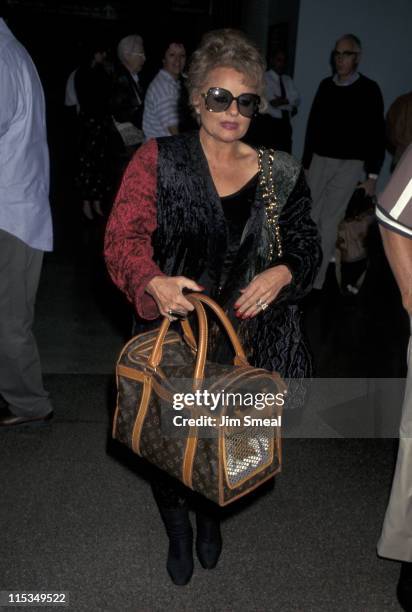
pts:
pixel 347 122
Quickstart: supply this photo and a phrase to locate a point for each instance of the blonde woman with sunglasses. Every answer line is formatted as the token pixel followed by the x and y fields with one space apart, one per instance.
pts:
pixel 192 214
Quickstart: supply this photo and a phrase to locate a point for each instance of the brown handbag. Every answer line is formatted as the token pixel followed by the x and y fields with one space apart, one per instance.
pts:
pixel 223 460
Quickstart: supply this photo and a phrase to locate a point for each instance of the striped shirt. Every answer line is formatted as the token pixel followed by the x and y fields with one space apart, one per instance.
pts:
pixel 394 209
pixel 161 105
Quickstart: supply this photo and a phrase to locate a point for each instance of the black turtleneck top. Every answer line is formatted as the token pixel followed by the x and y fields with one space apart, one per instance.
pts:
pixel 236 208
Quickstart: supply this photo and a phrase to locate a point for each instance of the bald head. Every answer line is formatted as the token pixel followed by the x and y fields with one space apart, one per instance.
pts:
pixel 351 40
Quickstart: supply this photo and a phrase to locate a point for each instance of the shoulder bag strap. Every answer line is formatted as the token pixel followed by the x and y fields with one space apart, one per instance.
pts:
pixel 266 159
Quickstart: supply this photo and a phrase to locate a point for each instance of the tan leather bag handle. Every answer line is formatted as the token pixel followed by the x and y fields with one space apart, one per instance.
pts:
pixel 197 299
pixel 240 356
pixel 201 349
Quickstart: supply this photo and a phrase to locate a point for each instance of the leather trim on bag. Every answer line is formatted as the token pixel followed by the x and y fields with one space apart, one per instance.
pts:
pixel 250 488
pixel 116 412
pixel 189 457
pixel 131 373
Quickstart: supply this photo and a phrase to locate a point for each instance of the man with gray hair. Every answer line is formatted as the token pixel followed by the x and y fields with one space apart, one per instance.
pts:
pixel 126 104
pixel 345 136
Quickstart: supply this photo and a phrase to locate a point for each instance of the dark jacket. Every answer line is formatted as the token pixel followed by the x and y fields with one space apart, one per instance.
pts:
pixel 93 88
pixel 126 102
pixel 188 237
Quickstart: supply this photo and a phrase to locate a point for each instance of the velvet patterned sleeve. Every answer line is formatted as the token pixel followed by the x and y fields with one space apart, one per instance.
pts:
pixel 300 242
pixel 128 241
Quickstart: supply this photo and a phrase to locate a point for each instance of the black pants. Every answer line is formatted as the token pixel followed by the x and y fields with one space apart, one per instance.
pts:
pixel 171 494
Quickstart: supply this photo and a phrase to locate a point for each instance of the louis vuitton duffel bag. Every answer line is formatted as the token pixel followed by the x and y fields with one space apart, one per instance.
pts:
pixel 189 415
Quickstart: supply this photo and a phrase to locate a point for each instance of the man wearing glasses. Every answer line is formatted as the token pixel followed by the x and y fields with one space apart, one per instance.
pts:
pixel 345 136
pixel 283 100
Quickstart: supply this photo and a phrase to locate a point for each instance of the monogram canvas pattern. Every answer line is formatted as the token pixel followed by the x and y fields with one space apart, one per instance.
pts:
pixel 129 396
pixel 166 452
pixel 145 412
pixel 206 468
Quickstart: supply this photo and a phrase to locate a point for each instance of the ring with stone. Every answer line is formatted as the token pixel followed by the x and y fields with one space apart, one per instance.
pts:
pixel 263 305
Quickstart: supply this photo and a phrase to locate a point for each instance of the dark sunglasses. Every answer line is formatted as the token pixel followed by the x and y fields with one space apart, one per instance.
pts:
pixel 218 100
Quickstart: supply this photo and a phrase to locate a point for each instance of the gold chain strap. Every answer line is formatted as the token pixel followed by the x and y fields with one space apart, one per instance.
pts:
pixel 271 202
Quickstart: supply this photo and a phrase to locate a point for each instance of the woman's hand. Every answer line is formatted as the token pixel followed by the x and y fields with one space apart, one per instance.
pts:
pixel 261 291
pixel 167 293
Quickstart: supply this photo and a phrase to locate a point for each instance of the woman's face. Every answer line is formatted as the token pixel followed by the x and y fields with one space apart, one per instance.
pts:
pixel 228 125
pixel 175 59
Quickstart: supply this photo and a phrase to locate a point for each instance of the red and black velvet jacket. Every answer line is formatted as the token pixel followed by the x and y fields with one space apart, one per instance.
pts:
pixel 168 219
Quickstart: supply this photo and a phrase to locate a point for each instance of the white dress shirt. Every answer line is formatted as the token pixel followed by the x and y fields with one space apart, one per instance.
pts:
pixel 273 90
pixel 24 156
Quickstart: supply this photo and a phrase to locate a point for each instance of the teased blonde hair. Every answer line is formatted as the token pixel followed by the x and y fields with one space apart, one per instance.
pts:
pixel 230 49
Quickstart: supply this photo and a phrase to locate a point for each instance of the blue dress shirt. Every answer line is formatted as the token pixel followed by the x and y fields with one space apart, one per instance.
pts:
pixel 24 156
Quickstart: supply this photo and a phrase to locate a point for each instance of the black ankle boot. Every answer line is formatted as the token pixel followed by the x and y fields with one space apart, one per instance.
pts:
pixel 180 533
pixel 208 539
pixel 404 590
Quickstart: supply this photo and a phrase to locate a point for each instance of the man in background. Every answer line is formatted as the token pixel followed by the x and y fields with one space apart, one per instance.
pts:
pixel 345 136
pixel 283 101
pixel 25 231
pixel 273 128
pixel 126 103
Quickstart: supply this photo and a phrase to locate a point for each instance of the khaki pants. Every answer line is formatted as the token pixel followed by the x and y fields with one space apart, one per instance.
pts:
pixel 396 538
pixel 21 382
pixel 332 182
